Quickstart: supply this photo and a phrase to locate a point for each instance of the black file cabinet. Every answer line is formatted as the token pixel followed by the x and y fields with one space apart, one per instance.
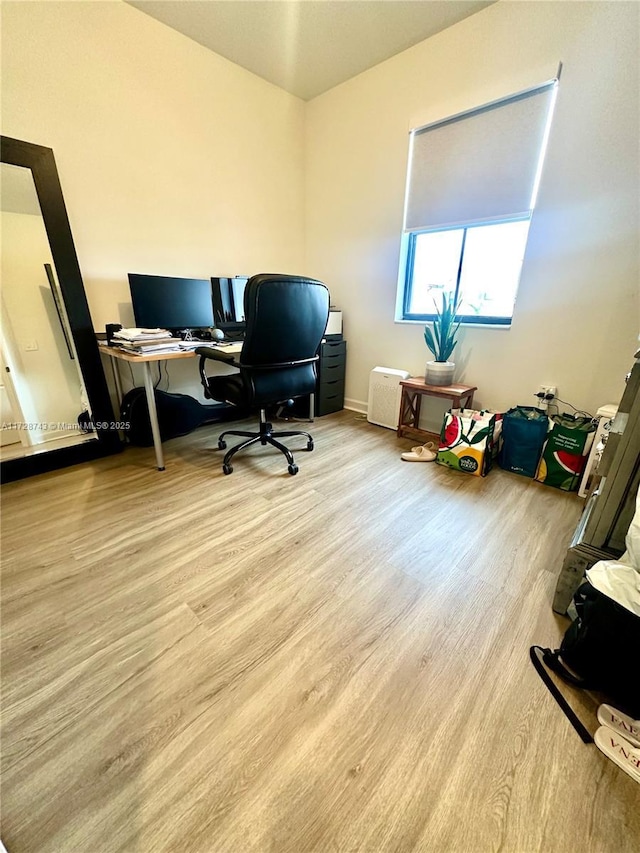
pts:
pixel 329 396
pixel 330 383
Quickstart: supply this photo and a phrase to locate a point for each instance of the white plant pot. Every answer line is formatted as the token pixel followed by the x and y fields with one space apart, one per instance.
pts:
pixel 439 372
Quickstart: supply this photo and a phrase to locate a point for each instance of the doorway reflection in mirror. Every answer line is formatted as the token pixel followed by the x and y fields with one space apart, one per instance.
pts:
pixel 42 390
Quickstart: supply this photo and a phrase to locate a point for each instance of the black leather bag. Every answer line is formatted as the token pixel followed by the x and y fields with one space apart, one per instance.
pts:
pixel 178 414
pixel 598 652
pixel 600 646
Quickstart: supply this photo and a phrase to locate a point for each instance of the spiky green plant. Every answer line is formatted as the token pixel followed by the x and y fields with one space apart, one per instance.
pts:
pixel 442 340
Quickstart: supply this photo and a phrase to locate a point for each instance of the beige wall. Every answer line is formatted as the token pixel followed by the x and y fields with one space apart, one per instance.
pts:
pixel 175 161
pixel 172 159
pixel 576 319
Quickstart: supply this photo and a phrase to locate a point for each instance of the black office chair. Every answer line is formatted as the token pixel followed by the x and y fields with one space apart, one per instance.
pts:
pixel 286 317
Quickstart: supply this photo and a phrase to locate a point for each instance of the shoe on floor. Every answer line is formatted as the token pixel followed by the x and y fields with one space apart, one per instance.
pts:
pixel 619 750
pixel 421 453
pixel 619 722
pixel 430 445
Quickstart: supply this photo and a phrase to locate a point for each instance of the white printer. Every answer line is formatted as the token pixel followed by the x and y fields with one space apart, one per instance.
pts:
pixel 333 332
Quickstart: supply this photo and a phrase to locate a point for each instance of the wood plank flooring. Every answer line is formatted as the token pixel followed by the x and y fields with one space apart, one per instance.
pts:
pixel 332 662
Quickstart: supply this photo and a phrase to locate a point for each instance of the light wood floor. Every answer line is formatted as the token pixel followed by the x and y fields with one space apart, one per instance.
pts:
pixel 332 662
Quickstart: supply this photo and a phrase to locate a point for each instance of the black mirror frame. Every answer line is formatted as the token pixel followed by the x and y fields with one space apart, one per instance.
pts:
pixel 41 162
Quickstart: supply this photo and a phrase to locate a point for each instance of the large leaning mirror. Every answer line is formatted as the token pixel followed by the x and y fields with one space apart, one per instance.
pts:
pixel 56 409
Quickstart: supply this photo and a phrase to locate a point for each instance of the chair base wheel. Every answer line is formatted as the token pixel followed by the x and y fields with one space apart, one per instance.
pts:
pixel 227 469
pixel 222 444
pixel 293 469
pixel 309 445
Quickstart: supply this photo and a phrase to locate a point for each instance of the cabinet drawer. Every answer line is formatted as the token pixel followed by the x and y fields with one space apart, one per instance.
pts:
pixel 328 390
pixel 332 361
pixel 333 349
pixel 330 404
pixel 331 373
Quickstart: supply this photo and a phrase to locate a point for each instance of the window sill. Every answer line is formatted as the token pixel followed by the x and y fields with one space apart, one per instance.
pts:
pixel 502 326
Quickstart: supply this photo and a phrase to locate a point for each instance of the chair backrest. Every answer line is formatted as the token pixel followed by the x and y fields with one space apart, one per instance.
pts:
pixel 286 317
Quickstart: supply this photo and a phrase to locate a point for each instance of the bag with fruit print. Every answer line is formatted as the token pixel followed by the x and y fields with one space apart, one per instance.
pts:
pixel 468 440
pixel 565 452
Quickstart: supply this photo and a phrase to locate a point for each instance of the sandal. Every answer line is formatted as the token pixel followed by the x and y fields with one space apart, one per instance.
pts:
pixel 619 722
pixel 619 750
pixel 422 453
pixel 430 445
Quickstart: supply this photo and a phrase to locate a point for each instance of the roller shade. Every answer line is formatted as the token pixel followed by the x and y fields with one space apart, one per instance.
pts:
pixel 480 165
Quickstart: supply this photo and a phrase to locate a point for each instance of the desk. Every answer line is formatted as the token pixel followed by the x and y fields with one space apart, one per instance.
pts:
pixel 116 354
pixel 413 390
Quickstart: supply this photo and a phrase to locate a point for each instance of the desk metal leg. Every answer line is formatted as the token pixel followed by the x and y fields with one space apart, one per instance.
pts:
pixel 153 414
pixel 117 383
pixel 312 407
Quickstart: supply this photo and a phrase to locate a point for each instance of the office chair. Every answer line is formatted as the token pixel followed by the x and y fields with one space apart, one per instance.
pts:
pixel 286 317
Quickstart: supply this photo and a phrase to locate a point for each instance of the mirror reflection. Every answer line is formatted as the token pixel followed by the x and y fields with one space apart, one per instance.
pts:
pixel 43 398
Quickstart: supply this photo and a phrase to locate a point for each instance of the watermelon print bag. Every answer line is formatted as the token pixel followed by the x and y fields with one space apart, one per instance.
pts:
pixel 565 452
pixel 468 440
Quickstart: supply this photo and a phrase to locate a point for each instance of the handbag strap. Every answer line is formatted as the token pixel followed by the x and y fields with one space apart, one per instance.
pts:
pixel 547 656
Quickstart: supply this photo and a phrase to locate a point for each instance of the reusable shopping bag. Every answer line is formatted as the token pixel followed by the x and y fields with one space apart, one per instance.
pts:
pixel 565 452
pixel 468 440
pixel 524 430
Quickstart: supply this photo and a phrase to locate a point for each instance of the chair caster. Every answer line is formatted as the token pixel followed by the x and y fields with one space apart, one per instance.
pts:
pixel 222 444
pixel 310 445
pixel 293 469
pixel 227 469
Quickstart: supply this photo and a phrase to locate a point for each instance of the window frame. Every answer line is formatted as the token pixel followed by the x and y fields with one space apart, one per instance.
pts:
pixel 409 234
pixel 406 276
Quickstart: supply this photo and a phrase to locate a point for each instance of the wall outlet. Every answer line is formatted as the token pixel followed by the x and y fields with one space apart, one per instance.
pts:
pixel 31 346
pixel 546 394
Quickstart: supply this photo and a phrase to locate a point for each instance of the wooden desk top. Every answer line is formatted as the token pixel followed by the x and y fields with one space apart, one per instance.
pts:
pixel 114 352
pixel 417 383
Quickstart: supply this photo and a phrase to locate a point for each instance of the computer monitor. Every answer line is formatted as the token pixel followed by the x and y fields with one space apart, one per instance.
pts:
pixel 171 303
pixel 228 302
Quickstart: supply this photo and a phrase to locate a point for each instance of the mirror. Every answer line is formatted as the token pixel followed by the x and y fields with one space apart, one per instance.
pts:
pixel 56 409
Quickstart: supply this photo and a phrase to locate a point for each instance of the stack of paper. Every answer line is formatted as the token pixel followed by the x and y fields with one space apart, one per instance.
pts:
pixel 146 341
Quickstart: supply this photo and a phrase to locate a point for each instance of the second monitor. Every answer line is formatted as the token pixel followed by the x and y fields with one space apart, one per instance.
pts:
pixel 228 303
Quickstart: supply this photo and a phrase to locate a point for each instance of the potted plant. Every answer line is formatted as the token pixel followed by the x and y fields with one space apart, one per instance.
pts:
pixel 442 341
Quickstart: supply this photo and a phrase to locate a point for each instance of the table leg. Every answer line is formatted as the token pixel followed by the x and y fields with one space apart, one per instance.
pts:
pixel 153 414
pixel 417 405
pixel 117 384
pixel 409 410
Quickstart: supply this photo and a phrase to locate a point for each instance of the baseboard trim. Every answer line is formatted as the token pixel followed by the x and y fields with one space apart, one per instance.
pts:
pixel 356 406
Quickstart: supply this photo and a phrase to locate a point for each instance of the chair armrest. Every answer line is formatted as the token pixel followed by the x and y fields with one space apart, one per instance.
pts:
pixel 217 355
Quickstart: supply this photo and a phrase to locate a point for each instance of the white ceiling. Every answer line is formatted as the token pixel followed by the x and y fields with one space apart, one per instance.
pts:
pixel 308 46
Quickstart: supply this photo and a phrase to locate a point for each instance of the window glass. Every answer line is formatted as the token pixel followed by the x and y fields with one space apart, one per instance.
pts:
pixel 482 263
pixel 493 256
pixel 436 258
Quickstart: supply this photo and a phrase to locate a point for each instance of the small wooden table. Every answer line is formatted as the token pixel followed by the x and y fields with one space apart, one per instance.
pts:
pixel 413 390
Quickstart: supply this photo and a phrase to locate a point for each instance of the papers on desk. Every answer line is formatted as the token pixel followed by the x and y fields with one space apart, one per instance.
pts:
pixel 223 346
pixel 142 335
pixel 149 349
pixel 146 341
pixel 188 345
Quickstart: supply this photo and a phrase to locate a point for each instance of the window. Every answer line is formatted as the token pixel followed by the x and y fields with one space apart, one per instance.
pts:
pixel 471 190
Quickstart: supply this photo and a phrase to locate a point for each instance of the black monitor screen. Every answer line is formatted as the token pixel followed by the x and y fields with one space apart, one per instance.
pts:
pixel 171 303
pixel 228 301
